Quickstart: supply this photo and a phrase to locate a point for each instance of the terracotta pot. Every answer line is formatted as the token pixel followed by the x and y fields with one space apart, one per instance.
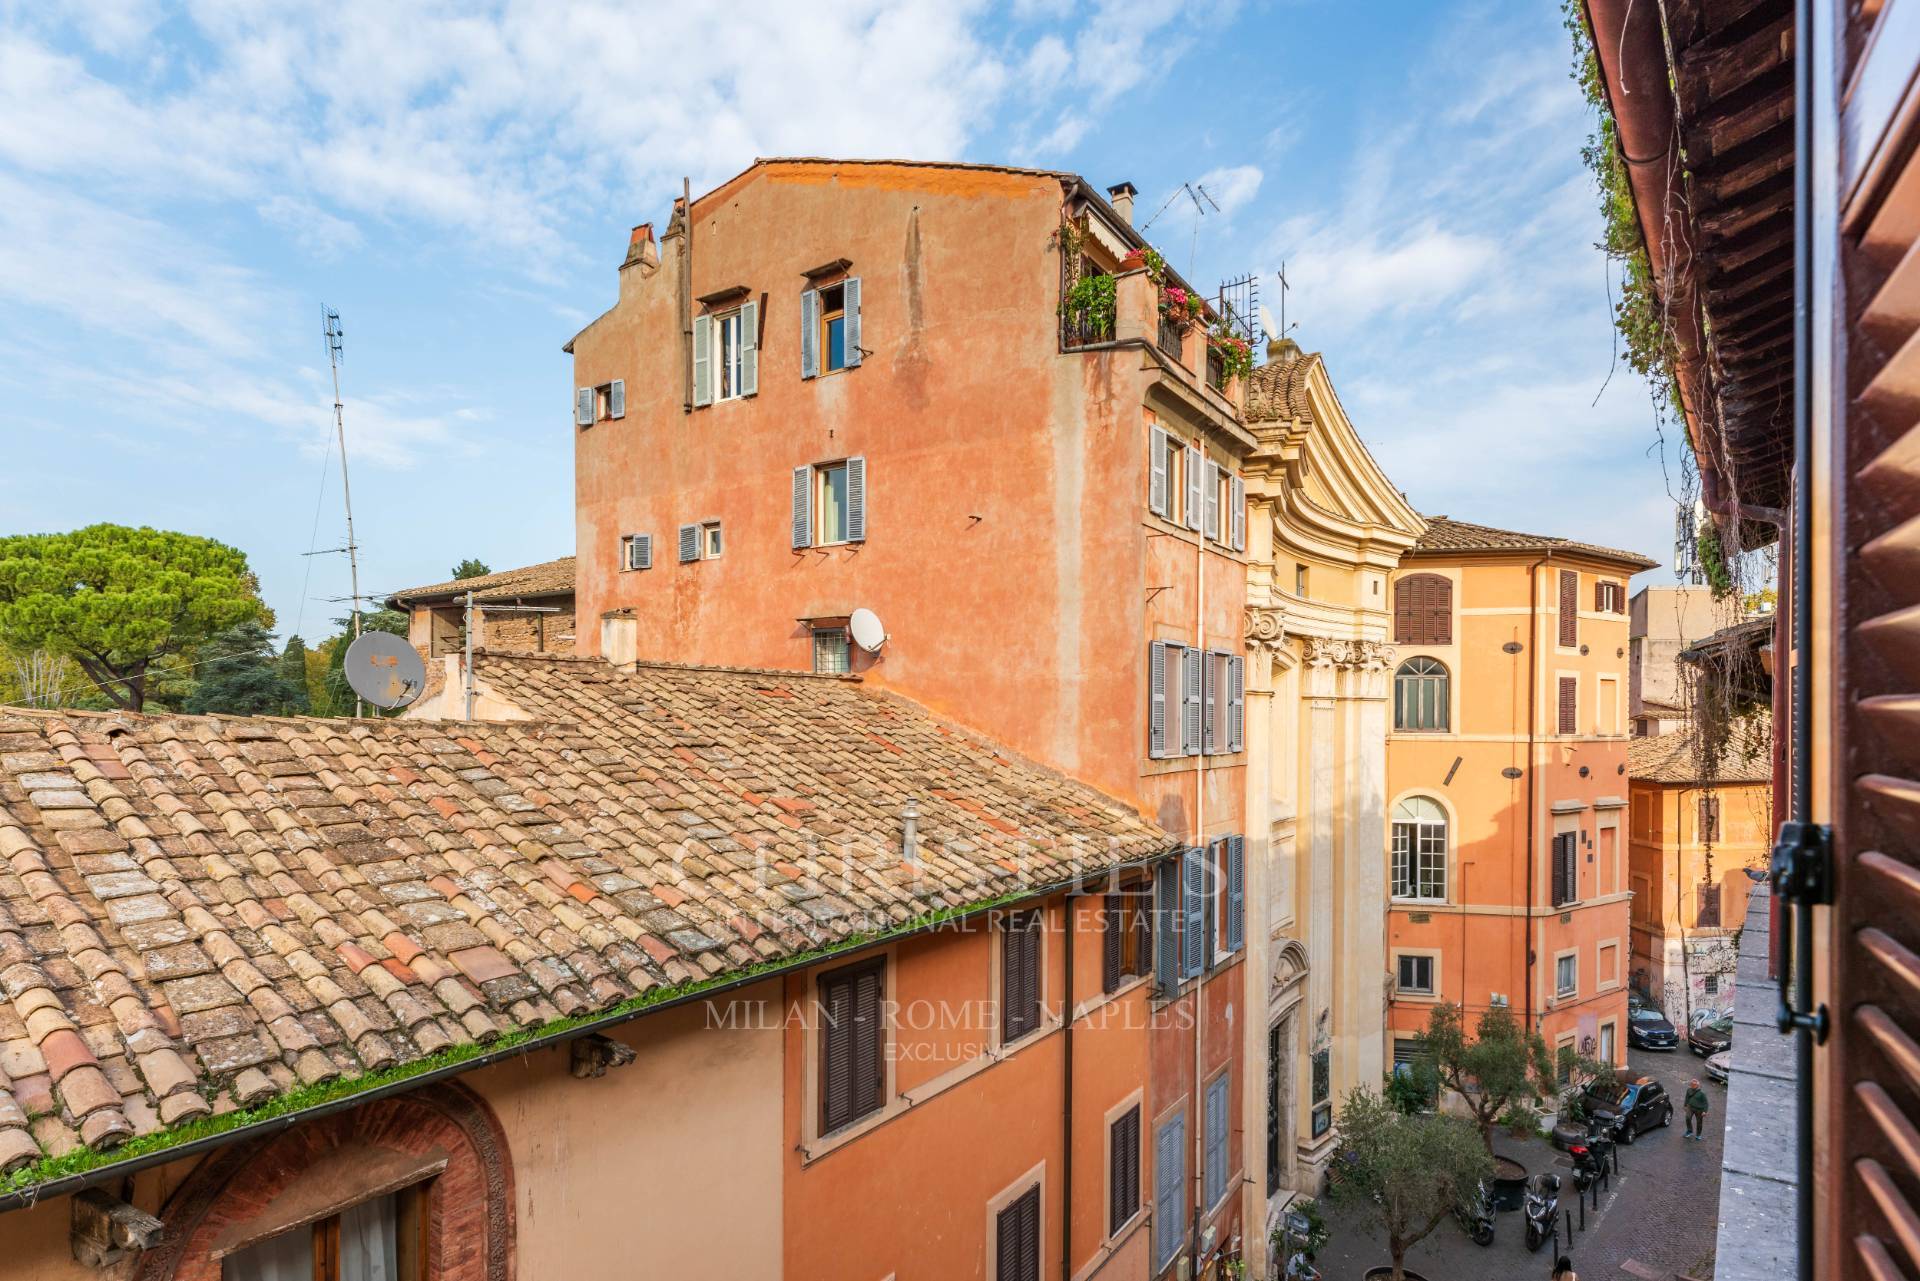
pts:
pixel 1386 1274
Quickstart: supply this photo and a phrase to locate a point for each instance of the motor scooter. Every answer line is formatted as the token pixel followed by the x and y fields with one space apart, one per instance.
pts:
pixel 1592 1158
pixel 1475 1215
pixel 1542 1209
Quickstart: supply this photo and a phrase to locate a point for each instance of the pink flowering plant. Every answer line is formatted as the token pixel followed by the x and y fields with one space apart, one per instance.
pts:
pixel 1236 353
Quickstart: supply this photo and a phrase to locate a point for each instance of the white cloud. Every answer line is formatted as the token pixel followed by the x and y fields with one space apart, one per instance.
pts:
pixel 1232 188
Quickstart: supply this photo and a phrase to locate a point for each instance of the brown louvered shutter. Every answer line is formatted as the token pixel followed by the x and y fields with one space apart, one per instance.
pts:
pixel 1423 610
pixel 852 1043
pixel 836 1054
pixel 1403 610
pixel 1019 976
pixel 1439 610
pixel 1569 704
pixel 1016 1247
pixel 1123 1170
pixel 1569 608
pixel 1111 940
pixel 1874 1000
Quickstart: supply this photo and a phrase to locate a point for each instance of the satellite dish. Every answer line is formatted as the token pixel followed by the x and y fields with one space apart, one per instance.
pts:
pixel 1267 325
pixel 867 633
pixel 385 670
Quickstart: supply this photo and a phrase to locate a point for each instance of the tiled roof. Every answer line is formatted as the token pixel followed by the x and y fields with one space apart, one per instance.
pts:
pixel 548 578
pixel 1673 758
pixel 203 913
pixel 1277 390
pixel 1444 534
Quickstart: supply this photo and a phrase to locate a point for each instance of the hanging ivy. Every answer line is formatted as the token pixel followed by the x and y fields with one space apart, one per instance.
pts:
pixel 1713 560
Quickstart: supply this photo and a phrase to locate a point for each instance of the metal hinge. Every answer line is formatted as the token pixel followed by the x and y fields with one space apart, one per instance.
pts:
pixel 1802 876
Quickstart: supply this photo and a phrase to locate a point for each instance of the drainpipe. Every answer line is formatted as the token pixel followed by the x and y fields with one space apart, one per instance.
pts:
pixel 1066 1109
pixel 1533 726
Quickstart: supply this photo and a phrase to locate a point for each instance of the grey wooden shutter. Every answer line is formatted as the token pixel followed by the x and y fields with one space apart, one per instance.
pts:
pixel 1196 489
pixel 1110 943
pixel 809 333
pixel 1212 499
pixel 1236 893
pixel 1166 918
pixel 1193 898
pixel 1157 472
pixel 1210 702
pixel 1569 704
pixel 750 349
pixel 640 551
pixel 1192 662
pixel 802 507
pixel 1569 608
pixel 1236 703
pixel 1169 1189
pixel 1157 699
pixel 617 399
pixel 689 543
pixel 850 296
pixel 1214 1171
pixel 857 499
pixel 583 407
pixel 1210 890
pixel 703 360
pixel 1237 500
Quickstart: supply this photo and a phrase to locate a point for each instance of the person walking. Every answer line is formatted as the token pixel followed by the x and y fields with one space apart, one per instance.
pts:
pixel 1563 1269
pixel 1696 1110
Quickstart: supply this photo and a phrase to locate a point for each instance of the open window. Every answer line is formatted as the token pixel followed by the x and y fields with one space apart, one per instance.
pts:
pixel 830 328
pixel 383 1239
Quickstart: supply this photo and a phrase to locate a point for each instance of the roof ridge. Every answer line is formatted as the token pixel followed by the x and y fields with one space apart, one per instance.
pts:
pixel 658 664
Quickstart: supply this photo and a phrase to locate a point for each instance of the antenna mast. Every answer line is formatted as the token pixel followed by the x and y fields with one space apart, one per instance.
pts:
pixel 330 323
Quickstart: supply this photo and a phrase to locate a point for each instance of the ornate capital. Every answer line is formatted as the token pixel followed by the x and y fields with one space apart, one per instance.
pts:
pixel 1355 655
pixel 1266 626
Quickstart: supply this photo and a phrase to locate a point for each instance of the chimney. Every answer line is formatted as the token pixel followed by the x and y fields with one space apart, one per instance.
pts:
pixel 1282 351
pixel 640 247
pixel 1120 196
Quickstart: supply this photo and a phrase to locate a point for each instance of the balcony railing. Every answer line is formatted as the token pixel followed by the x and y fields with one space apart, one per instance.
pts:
pixel 1173 338
pixel 1078 329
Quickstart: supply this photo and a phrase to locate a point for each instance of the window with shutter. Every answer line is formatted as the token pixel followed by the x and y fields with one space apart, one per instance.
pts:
pixel 583 407
pixel 1112 943
pixel 749 362
pixel 1016 1249
pixel 1192 664
pixel 1237 510
pixel 1157 471
pixel 1169 1189
pixel 1193 909
pixel 1168 916
pixel 1158 661
pixel 802 507
pixel 1423 610
pixel 1236 893
pixel 1569 609
pixel 809 333
pixel 1196 487
pixel 637 551
pixel 702 360
pixel 1209 702
pixel 1123 1169
pixel 1212 499
pixel 1569 719
pixel 617 398
pixel 856 500
pixel 852 1043
pixel 1216 1165
pixel 1019 976
pixel 1566 868
pixel 852 304
pixel 689 543
pixel 1236 703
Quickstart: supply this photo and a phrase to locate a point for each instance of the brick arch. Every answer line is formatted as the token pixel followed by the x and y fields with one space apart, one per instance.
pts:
pixel 470 1206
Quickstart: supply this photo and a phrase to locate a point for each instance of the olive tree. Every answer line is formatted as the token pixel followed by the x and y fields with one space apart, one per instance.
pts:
pixel 1502 1064
pixel 1405 1172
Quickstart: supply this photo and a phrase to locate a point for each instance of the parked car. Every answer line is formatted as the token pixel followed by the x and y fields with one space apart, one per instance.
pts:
pixel 1648 1029
pixel 1711 1037
pixel 1717 1065
pixel 1630 1108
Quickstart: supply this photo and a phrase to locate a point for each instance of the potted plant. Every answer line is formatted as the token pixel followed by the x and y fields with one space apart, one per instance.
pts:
pixel 1405 1172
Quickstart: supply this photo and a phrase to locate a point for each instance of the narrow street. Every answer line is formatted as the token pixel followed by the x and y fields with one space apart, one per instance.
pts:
pixel 1656 1222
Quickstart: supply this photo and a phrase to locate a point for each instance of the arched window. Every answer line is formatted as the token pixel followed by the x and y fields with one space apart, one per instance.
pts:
pixel 1420 850
pixel 1420 695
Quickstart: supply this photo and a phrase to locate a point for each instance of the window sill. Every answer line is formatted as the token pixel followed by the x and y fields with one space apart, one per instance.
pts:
pixel 1420 903
pixel 1426 997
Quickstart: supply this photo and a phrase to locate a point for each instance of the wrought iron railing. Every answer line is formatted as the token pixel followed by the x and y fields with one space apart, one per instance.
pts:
pixel 1173 338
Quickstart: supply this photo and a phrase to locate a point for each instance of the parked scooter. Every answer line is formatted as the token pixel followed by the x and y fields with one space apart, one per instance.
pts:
pixel 1475 1215
pixel 1542 1210
pixel 1591 1158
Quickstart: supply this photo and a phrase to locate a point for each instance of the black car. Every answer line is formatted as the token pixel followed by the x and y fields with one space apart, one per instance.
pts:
pixel 1631 1107
pixel 1648 1029
pixel 1711 1036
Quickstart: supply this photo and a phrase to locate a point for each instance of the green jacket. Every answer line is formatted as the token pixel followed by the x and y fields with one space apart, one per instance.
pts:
pixel 1696 1100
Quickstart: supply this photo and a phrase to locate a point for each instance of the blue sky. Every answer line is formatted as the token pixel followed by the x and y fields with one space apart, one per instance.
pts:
pixel 183 186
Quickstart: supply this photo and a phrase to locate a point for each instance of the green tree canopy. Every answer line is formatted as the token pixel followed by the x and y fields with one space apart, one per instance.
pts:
pixel 1405 1172
pixel 119 601
pixel 293 670
pixel 1503 1064
pixel 242 676
pixel 470 568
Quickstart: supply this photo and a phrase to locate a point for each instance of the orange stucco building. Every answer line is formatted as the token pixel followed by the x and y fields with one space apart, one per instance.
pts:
pixel 844 386
pixel 1507 784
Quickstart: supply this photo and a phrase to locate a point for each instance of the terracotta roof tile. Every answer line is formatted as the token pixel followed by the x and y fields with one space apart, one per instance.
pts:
pixel 290 900
pixel 549 578
pixel 1277 390
pixel 1674 757
pixel 1444 534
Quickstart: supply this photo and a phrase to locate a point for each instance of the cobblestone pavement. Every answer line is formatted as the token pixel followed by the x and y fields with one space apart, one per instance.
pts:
pixel 1657 1222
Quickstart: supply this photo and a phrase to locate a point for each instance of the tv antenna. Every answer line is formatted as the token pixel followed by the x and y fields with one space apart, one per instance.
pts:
pixel 1203 201
pixel 330 324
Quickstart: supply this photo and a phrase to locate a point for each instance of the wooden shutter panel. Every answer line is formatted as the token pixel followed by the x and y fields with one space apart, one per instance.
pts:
pixel 1192 663
pixel 850 294
pixel 1019 976
pixel 1157 472
pixel 1236 893
pixel 857 499
pixel 1209 701
pixel 1569 608
pixel 1016 1244
pixel 750 349
pixel 640 551
pixel 809 333
pixel 583 407
pixel 1157 699
pixel 1212 499
pixel 689 543
pixel 617 399
pixel 1166 914
pixel 1237 502
pixel 869 1044
pixel 703 360
pixel 1123 1170
pixel 1214 1171
pixel 1111 941
pixel 1569 704
pixel 802 507
pixel 1404 590
pixel 1193 898
pixel 1169 1189
pixel 1236 703
pixel 1439 610
pixel 1196 488
pixel 836 1053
